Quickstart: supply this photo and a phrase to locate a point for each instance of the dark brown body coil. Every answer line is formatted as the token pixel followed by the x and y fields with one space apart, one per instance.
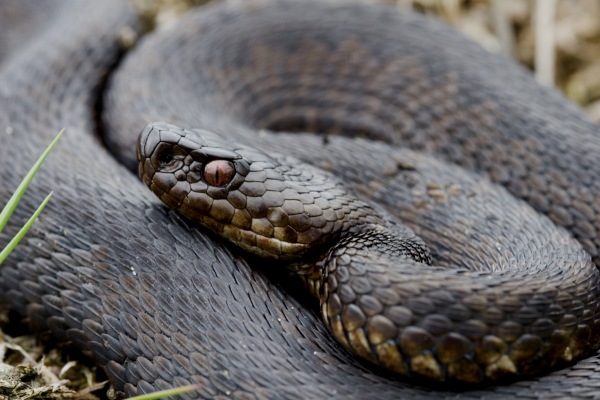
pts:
pixel 158 303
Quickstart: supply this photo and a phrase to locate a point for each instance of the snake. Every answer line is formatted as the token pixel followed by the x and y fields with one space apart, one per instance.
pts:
pixel 439 201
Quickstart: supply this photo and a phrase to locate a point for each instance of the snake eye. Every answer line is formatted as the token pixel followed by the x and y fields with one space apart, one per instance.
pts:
pixel 219 172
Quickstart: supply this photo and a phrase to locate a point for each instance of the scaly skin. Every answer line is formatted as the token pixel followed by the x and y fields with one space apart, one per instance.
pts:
pixel 158 302
pixel 379 296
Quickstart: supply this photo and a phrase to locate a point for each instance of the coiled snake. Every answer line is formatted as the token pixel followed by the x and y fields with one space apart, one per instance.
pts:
pixel 159 302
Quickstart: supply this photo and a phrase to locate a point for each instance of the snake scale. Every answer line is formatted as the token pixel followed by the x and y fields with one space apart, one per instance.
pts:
pixel 159 301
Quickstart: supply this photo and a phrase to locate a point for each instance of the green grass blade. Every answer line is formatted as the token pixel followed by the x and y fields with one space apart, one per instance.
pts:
pixel 16 197
pixel 6 251
pixel 166 393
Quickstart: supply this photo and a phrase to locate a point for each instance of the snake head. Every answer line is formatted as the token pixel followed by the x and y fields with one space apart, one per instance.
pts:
pixel 272 206
pixel 176 164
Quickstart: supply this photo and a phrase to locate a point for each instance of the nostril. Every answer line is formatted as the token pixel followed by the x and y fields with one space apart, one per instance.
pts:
pixel 180 175
pixel 165 157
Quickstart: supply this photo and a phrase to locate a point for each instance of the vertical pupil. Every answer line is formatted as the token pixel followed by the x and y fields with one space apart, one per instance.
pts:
pixel 219 172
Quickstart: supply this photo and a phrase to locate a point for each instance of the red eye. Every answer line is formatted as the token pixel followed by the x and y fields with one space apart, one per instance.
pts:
pixel 219 172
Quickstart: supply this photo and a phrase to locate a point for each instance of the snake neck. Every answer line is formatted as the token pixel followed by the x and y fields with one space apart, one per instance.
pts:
pixel 395 242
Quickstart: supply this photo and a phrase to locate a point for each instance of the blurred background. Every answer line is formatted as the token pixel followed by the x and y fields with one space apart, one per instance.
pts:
pixel 559 40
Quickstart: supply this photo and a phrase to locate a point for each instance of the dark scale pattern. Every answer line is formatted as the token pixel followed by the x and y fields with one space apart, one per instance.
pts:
pixel 308 72
pixel 423 87
pixel 506 311
pixel 158 303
